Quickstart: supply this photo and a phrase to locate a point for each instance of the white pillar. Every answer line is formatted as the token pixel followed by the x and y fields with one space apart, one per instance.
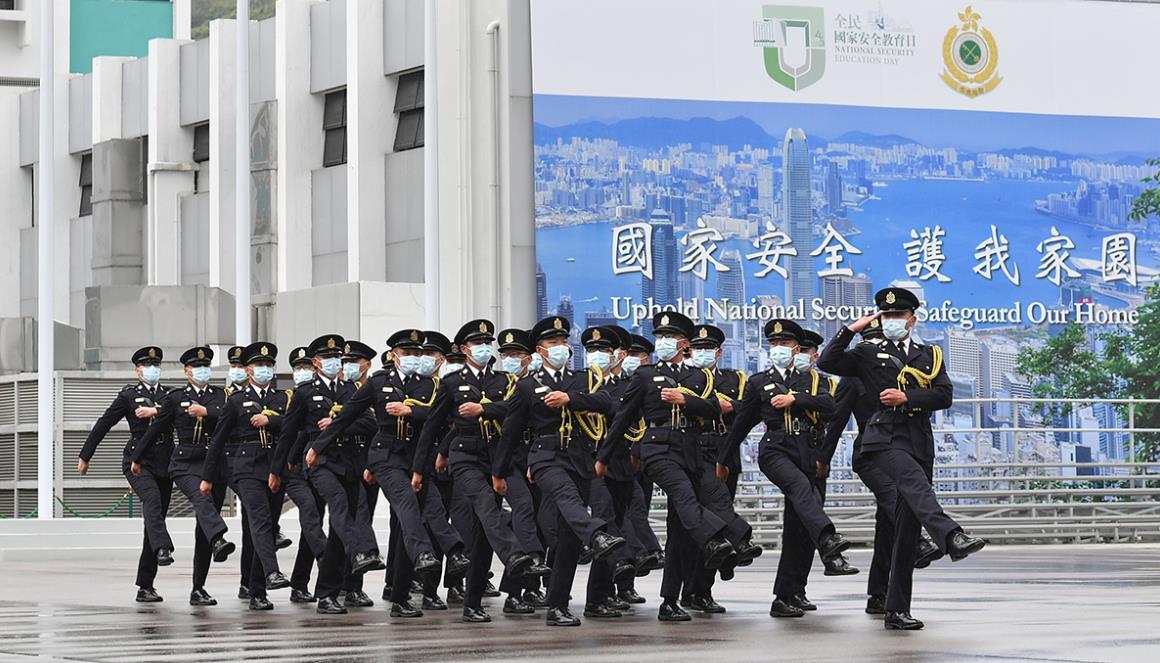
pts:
pixel 45 347
pixel 430 172
pixel 242 177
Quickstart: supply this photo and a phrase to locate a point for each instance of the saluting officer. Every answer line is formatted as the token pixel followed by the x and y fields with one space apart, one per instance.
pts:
pixel 558 404
pixel 137 404
pixel 789 403
pixel 670 396
pixel 474 402
pixel 911 382
pixel 190 414
pixel 244 441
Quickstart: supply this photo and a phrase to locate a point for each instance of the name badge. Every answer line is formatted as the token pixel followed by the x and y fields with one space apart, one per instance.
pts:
pixel 769 387
pixel 185 403
pixel 659 378
pixel 464 387
pixel 248 404
pixel 387 390
pixel 883 355
pixel 318 398
pixel 542 390
pixel 139 400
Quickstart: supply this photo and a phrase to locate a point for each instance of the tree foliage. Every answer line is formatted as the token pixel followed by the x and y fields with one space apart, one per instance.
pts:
pixel 204 11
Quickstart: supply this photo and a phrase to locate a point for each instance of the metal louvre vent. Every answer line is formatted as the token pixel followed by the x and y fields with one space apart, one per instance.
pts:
pixel 26 395
pixel 7 456
pixel 7 404
pixel 26 457
pixel 7 499
pixel 105 464
pixel 86 399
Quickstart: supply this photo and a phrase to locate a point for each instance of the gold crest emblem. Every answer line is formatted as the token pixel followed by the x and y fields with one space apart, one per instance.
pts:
pixel 482 327
pixel 890 298
pixel 509 337
pixel 152 353
pixel 595 334
pixel 265 351
pixel 704 333
pixel 200 353
pixel 301 353
pixel 558 323
pixel 414 334
pixel 777 327
pixel 874 323
pixel 664 320
pixel 971 55
pixel 346 348
pixel 330 343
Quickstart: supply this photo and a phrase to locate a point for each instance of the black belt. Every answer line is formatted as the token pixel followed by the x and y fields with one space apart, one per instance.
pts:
pixel 668 425
pixel 193 443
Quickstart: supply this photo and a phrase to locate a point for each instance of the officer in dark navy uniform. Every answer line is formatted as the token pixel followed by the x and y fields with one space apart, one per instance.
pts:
pixel 189 414
pixel 473 401
pixel 911 382
pixel 651 556
pixel 793 407
pixel 137 404
pixel 244 442
pixel 559 405
pixel 671 397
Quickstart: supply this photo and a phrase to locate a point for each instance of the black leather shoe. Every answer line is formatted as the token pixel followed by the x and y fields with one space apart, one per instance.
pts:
pixel 201 597
pixel 148 595
pixel 630 596
pixel 281 541
pixel 876 605
pixel 387 592
pixel 490 591
pixel 718 553
pixel 901 621
pixel 927 553
pixel 363 562
pixel 455 595
pixel 222 549
pixel 457 565
pixel 426 563
pixel 330 606
pixel 832 545
pixel 301 596
pixel 244 593
pixel 802 602
pixel 623 570
pixel 538 569
pixel 260 603
pixel 671 612
pixel 518 564
pixel 839 566
pixel 562 617
pixel 616 603
pixel 728 567
pixel 475 616
pixel 782 609
pixel 585 556
pixel 164 557
pixel 276 580
pixel 747 551
pixel 433 602
pixel 705 603
pixel 357 599
pixel 416 587
pixel 535 598
pixel 514 605
pixel 604 543
pixel 959 545
pixel 405 609
pixel 601 611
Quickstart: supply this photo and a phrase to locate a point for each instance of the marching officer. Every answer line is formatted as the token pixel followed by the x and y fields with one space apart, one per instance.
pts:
pixel 473 401
pixel 911 382
pixel 558 404
pixel 190 415
pixel 651 557
pixel 792 407
pixel 137 404
pixel 244 441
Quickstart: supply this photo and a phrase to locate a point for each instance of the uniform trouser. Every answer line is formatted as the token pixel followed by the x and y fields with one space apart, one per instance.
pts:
pixel 260 507
pixel 575 527
pixel 678 544
pixel 491 527
pixel 312 541
pixel 797 555
pixel 210 526
pixel 365 514
pixel 916 507
pixel 718 499
pixel 462 519
pixel 610 501
pixel 347 536
pixel 446 496
pixel 886 499
pixel 523 509
pixel 798 488
pixel 246 558
pixel 670 469
pixel 638 513
pixel 154 492
pixel 405 507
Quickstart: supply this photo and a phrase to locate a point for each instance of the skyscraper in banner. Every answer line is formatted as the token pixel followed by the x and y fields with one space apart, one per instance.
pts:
pixel 731 286
pixel 843 291
pixel 798 220
pixel 541 293
pixel 662 287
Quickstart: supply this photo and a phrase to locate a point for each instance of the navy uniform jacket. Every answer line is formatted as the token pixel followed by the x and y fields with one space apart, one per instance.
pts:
pixel 155 458
pixel 851 398
pixel 906 427
pixel 619 467
pixel 642 399
pixel 728 382
pixel 572 449
pixel 191 434
pixel 802 442
pixel 310 403
pixel 380 389
pixel 470 439
pixel 233 428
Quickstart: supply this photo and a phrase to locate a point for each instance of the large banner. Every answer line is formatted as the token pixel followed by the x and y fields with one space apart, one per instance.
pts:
pixel 739 160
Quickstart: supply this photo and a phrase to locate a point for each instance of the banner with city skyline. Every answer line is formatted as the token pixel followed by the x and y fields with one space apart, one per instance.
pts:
pixel 741 161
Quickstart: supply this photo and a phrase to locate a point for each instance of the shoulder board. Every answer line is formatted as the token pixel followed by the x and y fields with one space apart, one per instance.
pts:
pixel 130 387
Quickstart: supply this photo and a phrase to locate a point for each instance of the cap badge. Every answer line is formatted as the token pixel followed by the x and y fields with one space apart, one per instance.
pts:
pixel 595 334
pixel 152 353
pixel 483 327
pixel 201 354
pixel 558 324
pixel 414 335
pixel 664 320
pixel 777 327
pixel 890 298
pixel 265 351
pixel 704 333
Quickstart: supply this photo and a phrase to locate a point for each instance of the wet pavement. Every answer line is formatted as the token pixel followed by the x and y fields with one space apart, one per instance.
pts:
pixel 1036 603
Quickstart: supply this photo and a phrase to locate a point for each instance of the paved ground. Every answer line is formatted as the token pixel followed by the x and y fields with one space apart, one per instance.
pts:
pixel 1057 603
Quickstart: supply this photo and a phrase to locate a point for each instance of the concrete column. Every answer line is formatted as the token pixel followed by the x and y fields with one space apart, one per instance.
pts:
pixel 118 213
pixel 223 141
pixel 170 165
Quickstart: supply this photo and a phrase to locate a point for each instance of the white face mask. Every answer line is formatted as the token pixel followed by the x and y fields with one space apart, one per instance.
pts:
pixel 558 356
pixel 600 359
pixel 894 328
pixel 512 364
pixel 427 364
pixel 801 361
pixel 303 375
pixel 331 366
pixel 630 364
pixel 351 371
pixel 450 368
pixel 780 356
pixel 201 375
pixel 666 348
pixel 409 364
pixel 237 375
pixel 150 375
pixel 703 357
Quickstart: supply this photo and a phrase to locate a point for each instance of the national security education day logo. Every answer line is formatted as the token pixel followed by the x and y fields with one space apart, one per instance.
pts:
pixel 793 43
pixel 971 56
